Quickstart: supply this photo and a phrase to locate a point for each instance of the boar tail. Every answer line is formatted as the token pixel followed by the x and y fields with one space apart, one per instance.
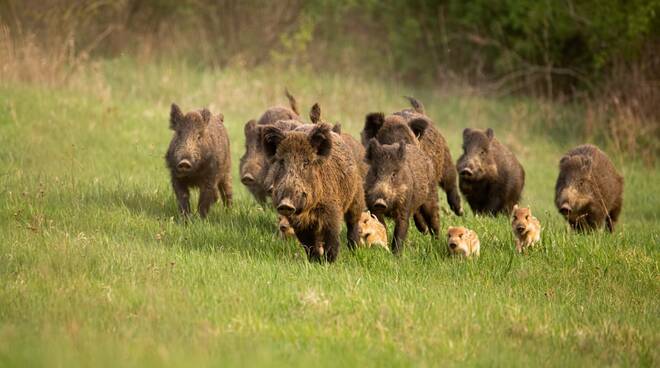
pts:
pixel 315 114
pixel 416 105
pixel 292 101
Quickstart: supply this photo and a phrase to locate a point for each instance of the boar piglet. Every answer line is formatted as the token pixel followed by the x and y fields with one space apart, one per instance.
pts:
pixel 399 183
pixel 316 184
pixel 589 190
pixel 198 156
pixel 490 176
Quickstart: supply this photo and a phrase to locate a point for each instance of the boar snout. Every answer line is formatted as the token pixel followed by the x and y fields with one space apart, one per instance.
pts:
pixel 380 205
pixel 565 209
pixel 184 165
pixel 466 172
pixel 453 245
pixel 285 207
pixel 521 229
pixel 247 179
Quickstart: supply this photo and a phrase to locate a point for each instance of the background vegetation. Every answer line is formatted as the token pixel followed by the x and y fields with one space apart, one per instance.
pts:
pixel 96 268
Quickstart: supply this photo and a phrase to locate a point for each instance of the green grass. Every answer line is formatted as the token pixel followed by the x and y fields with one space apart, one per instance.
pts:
pixel 97 270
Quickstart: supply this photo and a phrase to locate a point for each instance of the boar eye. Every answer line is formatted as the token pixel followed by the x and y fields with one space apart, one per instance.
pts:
pixel 527 217
pixel 199 136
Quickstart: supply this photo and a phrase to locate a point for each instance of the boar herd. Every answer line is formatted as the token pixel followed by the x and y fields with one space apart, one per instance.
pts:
pixel 317 177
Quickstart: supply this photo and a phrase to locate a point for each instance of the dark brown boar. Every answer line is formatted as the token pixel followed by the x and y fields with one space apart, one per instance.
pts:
pixel 490 176
pixel 316 184
pixel 401 182
pixel 413 127
pixel 199 156
pixel 253 164
pixel 589 190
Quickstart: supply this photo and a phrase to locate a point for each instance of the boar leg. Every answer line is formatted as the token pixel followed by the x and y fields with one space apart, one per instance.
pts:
pixel 420 223
pixel 331 240
pixel 225 190
pixel 613 217
pixel 401 223
pixel 494 204
pixel 352 218
pixel 182 196
pixel 450 187
pixel 431 214
pixel 208 194
pixel 308 240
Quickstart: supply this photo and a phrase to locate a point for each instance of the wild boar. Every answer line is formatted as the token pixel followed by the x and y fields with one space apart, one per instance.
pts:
pixel 372 231
pixel 490 176
pixel 413 127
pixel 463 242
pixel 589 190
pixel 526 228
pixel 399 183
pixel 316 184
pixel 199 156
pixel 253 164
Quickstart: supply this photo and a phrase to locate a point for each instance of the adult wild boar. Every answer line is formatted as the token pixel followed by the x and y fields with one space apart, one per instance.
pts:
pixel 253 164
pixel 198 156
pixel 589 190
pixel 490 176
pixel 316 184
pixel 399 183
pixel 414 127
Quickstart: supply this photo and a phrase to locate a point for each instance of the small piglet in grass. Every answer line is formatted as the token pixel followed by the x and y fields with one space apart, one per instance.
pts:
pixel 463 242
pixel 372 232
pixel 526 228
pixel 198 156
pixel 285 229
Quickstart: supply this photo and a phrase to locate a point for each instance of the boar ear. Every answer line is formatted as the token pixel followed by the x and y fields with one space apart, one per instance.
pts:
pixel 372 146
pixel 250 126
pixel 515 208
pixel 401 150
pixel 466 133
pixel 221 116
pixel 336 128
pixel 586 163
pixel 563 160
pixel 321 139
pixel 315 114
pixel 206 116
pixel 372 124
pixel 271 137
pixel 175 116
pixel 418 126
pixel 490 134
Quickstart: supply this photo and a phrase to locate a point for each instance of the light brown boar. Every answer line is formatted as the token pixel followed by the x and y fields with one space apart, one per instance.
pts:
pixel 462 241
pixel 372 231
pixel 526 228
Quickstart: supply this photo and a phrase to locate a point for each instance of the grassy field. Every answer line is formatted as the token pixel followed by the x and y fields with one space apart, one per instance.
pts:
pixel 97 270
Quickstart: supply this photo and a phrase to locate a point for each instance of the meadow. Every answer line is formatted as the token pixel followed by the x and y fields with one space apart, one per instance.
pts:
pixel 97 269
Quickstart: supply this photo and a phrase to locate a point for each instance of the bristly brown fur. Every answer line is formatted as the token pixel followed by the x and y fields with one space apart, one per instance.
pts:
pixel 402 178
pixel 413 127
pixel 589 189
pixel 316 174
pixel 199 156
pixel 491 178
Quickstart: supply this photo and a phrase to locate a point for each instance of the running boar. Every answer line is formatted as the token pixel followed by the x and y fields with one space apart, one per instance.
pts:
pixel 589 190
pixel 413 127
pixel 462 242
pixel 399 183
pixel 253 165
pixel 316 184
pixel 372 231
pixel 198 156
pixel 490 176
pixel 526 228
